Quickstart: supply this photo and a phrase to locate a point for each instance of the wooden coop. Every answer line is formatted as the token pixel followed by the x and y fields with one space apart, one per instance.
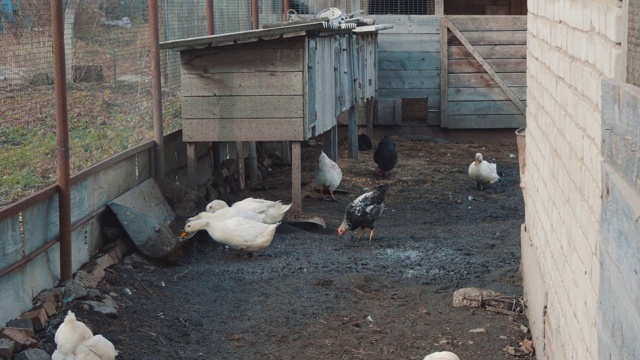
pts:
pixel 285 83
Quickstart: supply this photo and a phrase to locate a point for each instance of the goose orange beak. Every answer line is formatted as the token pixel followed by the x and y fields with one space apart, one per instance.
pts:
pixel 184 233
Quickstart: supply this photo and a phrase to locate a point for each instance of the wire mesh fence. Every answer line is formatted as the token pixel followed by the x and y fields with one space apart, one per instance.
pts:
pixel 108 74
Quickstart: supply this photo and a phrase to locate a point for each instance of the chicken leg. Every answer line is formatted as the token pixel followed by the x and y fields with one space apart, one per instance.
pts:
pixel 361 233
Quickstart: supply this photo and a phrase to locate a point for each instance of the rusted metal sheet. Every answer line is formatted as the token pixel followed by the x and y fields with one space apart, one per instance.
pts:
pixel 150 214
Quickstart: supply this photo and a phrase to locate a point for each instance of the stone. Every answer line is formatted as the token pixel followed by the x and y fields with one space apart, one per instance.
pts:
pixel 22 338
pixel 6 348
pixel 471 296
pixel 33 354
pixel 54 294
pixel 73 290
pixel 21 323
pixel 107 307
pixel 38 317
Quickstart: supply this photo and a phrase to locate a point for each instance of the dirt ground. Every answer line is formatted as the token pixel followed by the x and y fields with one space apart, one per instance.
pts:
pixel 314 295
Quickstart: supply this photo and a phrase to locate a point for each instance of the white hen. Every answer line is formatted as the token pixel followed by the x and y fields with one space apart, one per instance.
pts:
pixel 273 211
pixel 69 335
pixel 483 172
pixel 238 233
pixel 228 213
pixel 96 348
pixel 442 355
pixel 328 175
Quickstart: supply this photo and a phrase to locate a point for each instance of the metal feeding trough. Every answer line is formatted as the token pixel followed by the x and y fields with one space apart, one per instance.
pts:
pixel 153 214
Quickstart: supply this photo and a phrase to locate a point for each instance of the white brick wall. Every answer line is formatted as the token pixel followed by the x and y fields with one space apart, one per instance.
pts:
pixel 571 46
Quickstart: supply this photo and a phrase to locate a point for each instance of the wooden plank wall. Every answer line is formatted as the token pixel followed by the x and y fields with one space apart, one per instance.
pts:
pixel 474 99
pixel 408 65
pixel 244 92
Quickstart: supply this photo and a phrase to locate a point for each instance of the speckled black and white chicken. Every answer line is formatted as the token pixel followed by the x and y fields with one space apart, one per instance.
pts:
pixel 363 212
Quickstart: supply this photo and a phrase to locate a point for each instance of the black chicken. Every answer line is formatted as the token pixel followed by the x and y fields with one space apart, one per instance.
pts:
pixel 386 156
pixel 363 212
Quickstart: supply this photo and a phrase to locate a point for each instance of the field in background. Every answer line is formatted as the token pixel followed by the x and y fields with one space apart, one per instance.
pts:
pixel 106 115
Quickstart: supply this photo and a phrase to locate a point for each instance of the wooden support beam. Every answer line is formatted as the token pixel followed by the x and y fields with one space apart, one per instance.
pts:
pixel 370 115
pixel 253 164
pixel 487 67
pixel 240 163
pixel 330 143
pixel 296 179
pixel 439 10
pixel 192 166
pixel 444 70
pixel 353 133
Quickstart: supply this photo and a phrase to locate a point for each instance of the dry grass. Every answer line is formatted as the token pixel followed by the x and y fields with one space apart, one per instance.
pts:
pixel 104 118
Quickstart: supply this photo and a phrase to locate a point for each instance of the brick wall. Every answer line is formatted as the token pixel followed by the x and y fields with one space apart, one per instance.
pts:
pixel 572 45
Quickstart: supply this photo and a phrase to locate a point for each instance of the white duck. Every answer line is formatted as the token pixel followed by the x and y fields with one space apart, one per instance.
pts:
pixel 328 175
pixel 483 172
pixel 238 233
pixel 273 211
pixel 228 213
pixel 442 355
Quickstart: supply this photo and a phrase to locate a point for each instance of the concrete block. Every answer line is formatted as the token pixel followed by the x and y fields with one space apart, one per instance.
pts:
pixel 50 307
pixel 534 290
pixel 614 30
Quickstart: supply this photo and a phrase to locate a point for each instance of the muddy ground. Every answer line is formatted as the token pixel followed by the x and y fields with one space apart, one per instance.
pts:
pixel 314 295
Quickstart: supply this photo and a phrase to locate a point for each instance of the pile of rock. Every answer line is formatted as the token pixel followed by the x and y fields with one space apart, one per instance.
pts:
pixel 21 338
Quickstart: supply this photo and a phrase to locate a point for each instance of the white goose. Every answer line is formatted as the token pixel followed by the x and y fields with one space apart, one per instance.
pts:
pixel 483 172
pixel 272 211
pixel 238 233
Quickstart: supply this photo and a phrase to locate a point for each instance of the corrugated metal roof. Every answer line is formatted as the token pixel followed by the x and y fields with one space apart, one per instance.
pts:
pixel 241 37
pixel 261 34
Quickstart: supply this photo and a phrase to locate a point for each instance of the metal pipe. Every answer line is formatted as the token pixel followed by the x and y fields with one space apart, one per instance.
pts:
pixel 254 14
pixel 285 10
pixel 211 29
pixel 62 135
pixel 156 87
pixel 49 244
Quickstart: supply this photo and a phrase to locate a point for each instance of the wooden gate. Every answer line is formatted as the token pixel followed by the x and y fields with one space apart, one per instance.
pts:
pixel 483 71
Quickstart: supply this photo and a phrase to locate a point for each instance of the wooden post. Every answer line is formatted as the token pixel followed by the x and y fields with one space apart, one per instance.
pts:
pixel 253 164
pixel 330 143
pixel 353 133
pixel 192 166
pixel 370 115
pixel 296 178
pixel 240 163
pixel 444 69
pixel 439 10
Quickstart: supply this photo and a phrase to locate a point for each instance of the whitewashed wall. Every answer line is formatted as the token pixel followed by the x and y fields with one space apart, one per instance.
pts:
pixel 572 46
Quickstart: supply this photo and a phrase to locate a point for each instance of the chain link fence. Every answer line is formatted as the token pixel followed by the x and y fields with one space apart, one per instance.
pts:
pixel 108 74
